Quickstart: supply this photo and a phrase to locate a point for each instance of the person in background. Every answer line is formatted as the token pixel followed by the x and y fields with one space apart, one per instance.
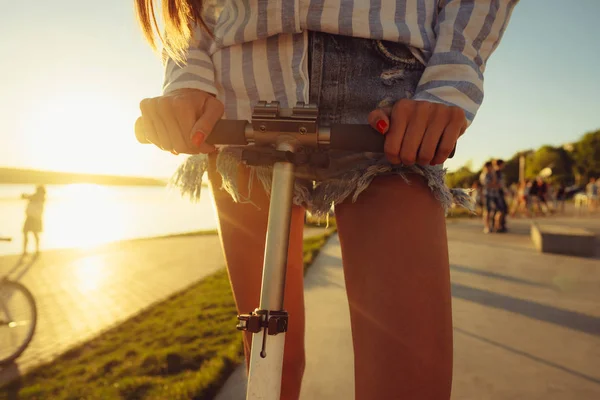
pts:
pixel 33 217
pixel 477 197
pixel 533 196
pixel 521 203
pixel 502 210
pixel 490 194
pixel 561 196
pixel 542 194
pixel 513 191
pixel 592 193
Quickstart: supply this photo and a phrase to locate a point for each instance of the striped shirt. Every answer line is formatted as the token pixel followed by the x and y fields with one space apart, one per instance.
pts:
pixel 259 48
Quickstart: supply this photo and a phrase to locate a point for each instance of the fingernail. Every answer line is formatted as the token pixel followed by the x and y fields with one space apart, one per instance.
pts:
pixel 198 138
pixel 381 126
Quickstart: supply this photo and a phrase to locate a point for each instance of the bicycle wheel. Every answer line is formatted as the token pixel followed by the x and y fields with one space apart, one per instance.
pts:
pixel 18 317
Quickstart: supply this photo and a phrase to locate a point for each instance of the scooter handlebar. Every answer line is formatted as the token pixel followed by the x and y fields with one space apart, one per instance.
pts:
pixel 348 137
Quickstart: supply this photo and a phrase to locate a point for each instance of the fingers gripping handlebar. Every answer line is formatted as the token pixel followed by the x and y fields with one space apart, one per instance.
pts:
pixel 270 124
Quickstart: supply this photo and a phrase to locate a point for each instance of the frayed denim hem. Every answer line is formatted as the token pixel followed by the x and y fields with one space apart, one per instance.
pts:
pixel 320 196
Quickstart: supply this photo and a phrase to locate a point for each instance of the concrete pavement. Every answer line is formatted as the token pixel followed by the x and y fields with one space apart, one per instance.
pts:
pixel 526 325
pixel 330 360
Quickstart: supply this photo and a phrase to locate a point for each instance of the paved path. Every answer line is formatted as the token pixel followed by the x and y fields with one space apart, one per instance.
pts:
pixel 80 293
pixel 526 325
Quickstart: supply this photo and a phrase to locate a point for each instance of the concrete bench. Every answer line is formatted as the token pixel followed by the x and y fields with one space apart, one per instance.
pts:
pixel 561 239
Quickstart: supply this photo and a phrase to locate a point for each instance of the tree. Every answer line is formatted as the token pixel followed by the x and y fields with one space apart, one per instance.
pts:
pixel 557 158
pixel 586 156
pixel 573 163
pixel 461 178
pixel 512 165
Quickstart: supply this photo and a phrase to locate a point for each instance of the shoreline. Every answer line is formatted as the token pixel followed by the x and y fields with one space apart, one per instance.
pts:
pixel 206 232
pixel 26 176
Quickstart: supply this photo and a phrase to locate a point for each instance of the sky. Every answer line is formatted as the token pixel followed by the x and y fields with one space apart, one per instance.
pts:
pixel 73 72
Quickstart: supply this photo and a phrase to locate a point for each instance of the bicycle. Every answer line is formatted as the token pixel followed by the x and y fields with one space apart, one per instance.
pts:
pixel 13 322
pixel 278 137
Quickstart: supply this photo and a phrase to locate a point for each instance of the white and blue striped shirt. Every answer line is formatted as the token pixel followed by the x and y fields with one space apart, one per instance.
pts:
pixel 260 47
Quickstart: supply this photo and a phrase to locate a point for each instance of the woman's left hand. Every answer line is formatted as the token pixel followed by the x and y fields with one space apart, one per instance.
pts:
pixel 419 132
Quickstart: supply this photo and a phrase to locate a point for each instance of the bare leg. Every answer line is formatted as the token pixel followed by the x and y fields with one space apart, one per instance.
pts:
pixel 36 236
pixel 243 228
pixel 498 220
pixel 514 207
pixel 25 242
pixel 486 218
pixel 395 254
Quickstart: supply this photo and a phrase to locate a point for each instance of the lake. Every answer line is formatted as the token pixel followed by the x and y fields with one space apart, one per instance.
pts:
pixel 85 215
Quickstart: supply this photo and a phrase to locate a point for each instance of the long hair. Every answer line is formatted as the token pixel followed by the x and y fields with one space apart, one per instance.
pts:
pixel 179 18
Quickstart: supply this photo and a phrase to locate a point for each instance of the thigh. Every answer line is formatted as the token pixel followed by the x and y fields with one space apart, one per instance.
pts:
pixel 503 204
pixel 499 204
pixel 395 253
pixel 243 228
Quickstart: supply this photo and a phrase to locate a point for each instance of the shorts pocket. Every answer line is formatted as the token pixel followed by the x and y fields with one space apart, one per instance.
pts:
pixel 397 54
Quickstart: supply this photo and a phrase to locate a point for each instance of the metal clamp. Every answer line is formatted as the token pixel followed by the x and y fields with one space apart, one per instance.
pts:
pixel 300 122
pixel 274 322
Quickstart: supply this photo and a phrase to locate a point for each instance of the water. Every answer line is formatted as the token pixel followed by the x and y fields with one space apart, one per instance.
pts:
pixel 84 215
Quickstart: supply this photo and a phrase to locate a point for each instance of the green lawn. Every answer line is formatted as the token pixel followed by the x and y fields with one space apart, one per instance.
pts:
pixel 182 348
pixel 312 245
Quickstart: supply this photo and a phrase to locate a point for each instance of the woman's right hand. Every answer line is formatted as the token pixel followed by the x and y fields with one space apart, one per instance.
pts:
pixel 180 121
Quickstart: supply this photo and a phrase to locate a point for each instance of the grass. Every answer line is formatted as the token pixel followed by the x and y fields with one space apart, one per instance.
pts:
pixel 321 222
pixel 312 246
pixel 182 348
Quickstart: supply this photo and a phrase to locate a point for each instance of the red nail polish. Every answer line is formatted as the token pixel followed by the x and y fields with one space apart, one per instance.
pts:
pixel 381 126
pixel 198 138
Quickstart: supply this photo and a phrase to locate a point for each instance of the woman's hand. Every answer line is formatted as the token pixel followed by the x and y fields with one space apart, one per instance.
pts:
pixel 419 131
pixel 180 121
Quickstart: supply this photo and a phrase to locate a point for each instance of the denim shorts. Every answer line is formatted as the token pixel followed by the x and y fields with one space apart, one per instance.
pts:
pixel 349 77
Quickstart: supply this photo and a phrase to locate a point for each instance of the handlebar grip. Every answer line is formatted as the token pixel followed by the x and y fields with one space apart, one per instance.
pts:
pixel 356 138
pixel 230 132
pixel 359 138
pixel 226 131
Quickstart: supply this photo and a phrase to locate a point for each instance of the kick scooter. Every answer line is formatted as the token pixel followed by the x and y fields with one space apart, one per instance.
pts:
pixel 279 137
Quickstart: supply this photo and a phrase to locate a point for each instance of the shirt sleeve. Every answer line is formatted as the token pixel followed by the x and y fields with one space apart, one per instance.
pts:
pixel 468 32
pixel 197 72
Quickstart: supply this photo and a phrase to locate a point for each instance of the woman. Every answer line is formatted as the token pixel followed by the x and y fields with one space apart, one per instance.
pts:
pixel 477 197
pixel 33 220
pixel 491 194
pixel 413 70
